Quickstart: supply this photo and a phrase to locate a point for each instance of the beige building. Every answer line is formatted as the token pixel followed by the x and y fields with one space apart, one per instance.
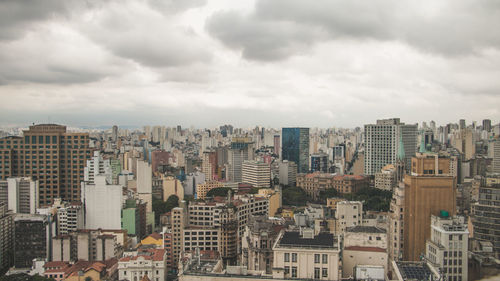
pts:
pixel 275 199
pixel 428 190
pixel 179 222
pixel 151 263
pixel 447 247
pixel 172 186
pixel 305 255
pixel 204 188
pixel 364 245
pixel 313 183
pixel 396 225
pixel 348 214
pixel 386 178
pixel 465 141
pixel 256 173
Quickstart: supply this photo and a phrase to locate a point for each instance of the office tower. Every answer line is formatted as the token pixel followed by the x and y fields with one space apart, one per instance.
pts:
pixel 52 156
pixel 447 247
pixel 319 162
pixel 6 238
pixel 465 141
pixel 20 194
pixel 70 218
pixel 288 173
pixel 277 147
pixel 429 189
pixel 295 147
pixel 462 124
pixel 256 173
pixel 494 153
pixel 381 144
pixel 32 239
pixel 102 204
pixel 486 211
pixel 97 166
pixel 209 164
pixel 487 125
pixel 241 149
pixel 114 133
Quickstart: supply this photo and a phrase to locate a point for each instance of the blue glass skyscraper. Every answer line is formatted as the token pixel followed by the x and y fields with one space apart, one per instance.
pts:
pixel 295 147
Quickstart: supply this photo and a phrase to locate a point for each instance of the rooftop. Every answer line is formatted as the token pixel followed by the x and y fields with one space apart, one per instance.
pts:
pixel 294 239
pixel 414 270
pixel 365 229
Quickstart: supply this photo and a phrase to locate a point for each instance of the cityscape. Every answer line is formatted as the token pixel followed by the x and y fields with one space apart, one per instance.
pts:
pixel 196 140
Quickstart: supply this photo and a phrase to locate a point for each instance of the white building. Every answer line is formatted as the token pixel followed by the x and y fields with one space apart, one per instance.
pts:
pixel 97 166
pixel 20 194
pixel 348 213
pixel 145 184
pixel 386 178
pixel 256 173
pixel 446 250
pixel 382 141
pixel 102 204
pixel 70 218
pixel 305 255
pixel 364 245
pixel 151 263
pixel 288 173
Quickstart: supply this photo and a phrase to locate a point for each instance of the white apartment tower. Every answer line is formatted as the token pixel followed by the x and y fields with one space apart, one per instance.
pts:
pixel 102 203
pixel 256 173
pixel 20 194
pixel 447 247
pixel 97 166
pixel 382 144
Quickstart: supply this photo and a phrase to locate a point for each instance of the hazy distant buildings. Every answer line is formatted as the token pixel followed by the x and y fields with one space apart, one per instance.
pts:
pixel 295 147
pixel 382 141
pixel 487 125
pixel 241 149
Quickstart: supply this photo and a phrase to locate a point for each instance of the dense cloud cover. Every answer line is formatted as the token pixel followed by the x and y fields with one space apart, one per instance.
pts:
pixel 272 63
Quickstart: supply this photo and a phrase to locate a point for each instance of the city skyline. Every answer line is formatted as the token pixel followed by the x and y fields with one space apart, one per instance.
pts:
pixel 149 62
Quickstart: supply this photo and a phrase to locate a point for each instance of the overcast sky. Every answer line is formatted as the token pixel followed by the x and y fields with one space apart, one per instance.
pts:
pixel 320 63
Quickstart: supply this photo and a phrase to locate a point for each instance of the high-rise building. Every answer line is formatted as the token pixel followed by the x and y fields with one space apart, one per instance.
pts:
pixel 32 239
pixel 277 147
pixel 20 194
pixel 429 189
pixel 486 211
pixel 49 154
pixel 102 204
pixel 287 173
pixel 241 149
pixel 209 164
pixel 97 166
pixel 145 183
pixel 70 218
pixel 256 173
pixel 382 141
pixel 6 238
pixel 295 147
pixel 319 162
pixel 447 247
pixel 396 223
pixel 462 124
pixel 114 133
pixel 487 125
pixel 494 151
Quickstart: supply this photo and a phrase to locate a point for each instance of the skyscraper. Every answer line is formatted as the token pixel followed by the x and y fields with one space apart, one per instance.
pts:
pixel 428 190
pixel 487 125
pixel 382 141
pixel 241 150
pixel 114 133
pixel 295 147
pixel 52 156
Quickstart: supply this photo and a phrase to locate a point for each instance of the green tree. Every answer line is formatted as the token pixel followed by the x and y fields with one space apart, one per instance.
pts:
pixel 294 195
pixel 328 193
pixel 161 207
pixel 218 191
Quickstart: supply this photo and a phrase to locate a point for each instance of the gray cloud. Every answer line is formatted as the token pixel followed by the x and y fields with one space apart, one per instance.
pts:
pixel 275 29
pixel 17 15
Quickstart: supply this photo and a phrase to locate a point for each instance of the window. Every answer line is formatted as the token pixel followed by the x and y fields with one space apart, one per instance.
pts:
pixel 294 271
pixel 316 258
pixel 287 270
pixel 294 257
pixel 316 273
pixel 287 257
pixel 325 258
pixel 324 272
